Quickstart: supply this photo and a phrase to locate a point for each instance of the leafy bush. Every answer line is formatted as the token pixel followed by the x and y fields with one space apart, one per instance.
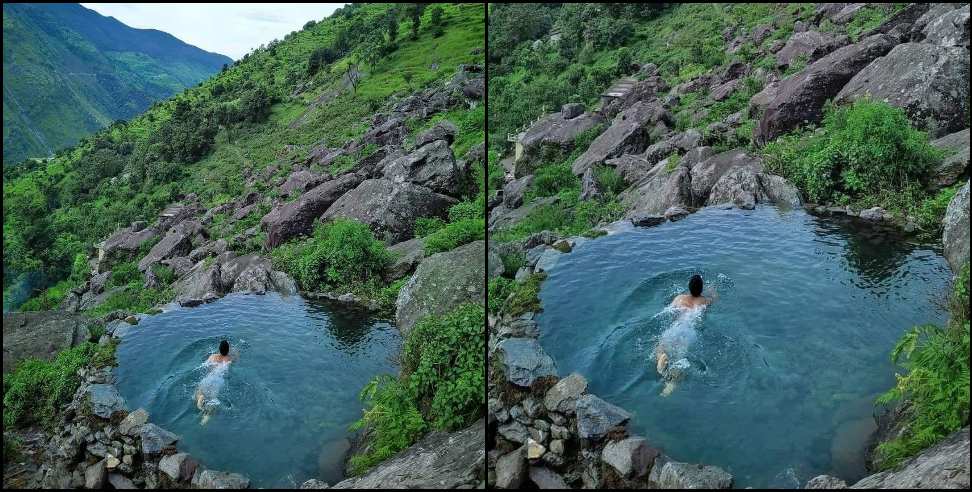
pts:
pixel 551 180
pixel 864 149
pixel 608 180
pixel 512 262
pixel 936 386
pixel 465 210
pixel 341 254
pixel 35 390
pixel 133 298
pixel 442 385
pixel 123 274
pixel 427 225
pixel 515 298
pixel 48 299
pixel 454 235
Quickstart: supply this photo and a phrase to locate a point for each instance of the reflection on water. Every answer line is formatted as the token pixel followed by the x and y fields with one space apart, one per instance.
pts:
pixel 284 405
pixel 783 368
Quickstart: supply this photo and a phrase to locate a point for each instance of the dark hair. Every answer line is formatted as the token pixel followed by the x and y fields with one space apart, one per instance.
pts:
pixel 695 285
pixel 224 347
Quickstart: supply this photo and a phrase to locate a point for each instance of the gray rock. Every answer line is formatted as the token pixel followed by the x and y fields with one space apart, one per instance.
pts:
pixel 180 467
pixel 739 186
pixel 514 190
pixel 596 417
pixel 95 475
pixel 800 99
pixel 956 230
pixel 547 260
pixel 706 174
pixel 514 431
pixel 647 220
pixel 119 481
pixel 201 284
pixel 551 132
pixel 942 466
pixel 390 209
pixel 444 130
pixel 630 168
pixel 955 163
pixel 571 110
pixel 314 484
pixel 723 91
pixel 525 361
pixel 545 478
pixel 590 189
pixel 626 135
pixel 811 45
pixel 210 479
pixel 503 218
pixel 438 460
pixel 658 193
pixel 775 189
pixel 291 219
pixel 825 482
pixel 105 400
pixel 874 214
pixel 132 424
pixel 949 29
pixel 433 166
pixel 511 469
pixel 156 439
pixel 177 242
pixel 631 457
pixel 562 397
pixel 931 83
pixel 675 475
pixel 123 245
pixel 444 281
pixel 408 255
pixel 676 213
pixel 41 334
pixel 301 181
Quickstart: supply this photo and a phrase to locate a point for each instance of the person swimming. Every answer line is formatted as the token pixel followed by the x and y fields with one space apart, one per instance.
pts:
pixel 675 340
pixel 206 399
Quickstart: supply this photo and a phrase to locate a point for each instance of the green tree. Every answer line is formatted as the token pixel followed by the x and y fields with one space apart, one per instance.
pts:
pixel 416 11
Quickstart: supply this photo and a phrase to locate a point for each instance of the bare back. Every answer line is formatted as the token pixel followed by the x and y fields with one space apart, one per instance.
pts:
pixel 689 301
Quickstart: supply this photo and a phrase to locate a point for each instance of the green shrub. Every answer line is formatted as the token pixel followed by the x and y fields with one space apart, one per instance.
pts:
pixel 465 210
pixel 514 298
pixel 512 262
pixel 442 361
pixel 608 180
pixel 341 254
pixel 442 385
pixel 394 420
pixel 672 163
pixel 427 225
pixel 35 390
pixel 498 289
pixel 454 235
pixel 166 275
pixel 936 385
pixel 551 180
pixel 864 149
pixel 123 274
pixel 133 298
pixel 49 298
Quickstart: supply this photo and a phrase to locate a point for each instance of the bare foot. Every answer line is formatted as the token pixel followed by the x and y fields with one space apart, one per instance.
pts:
pixel 669 387
pixel 205 418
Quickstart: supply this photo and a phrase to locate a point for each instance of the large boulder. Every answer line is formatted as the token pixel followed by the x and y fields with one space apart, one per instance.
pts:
pixel 942 466
pixel 628 134
pixel 301 181
pixel 956 162
pixel 292 219
pixel 562 397
pixel 438 460
pixel 389 208
pixel 254 273
pixel 511 469
pixel 176 242
pixel 105 400
pixel 956 235
pixel 800 98
pixel 202 284
pixel 630 458
pixel 739 186
pixel 659 191
pixel 179 467
pixel 444 281
pixel 930 82
pixel 524 361
pixel 514 191
pixel 949 29
pixel 708 172
pixel 775 189
pixel 155 439
pixel 443 130
pixel 408 255
pixel 554 133
pixel 432 166
pixel 41 334
pixel 596 417
pixel 391 131
pixel 808 45
pixel 124 244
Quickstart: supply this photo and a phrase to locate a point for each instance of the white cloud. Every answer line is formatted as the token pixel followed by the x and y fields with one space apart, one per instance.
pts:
pixel 228 29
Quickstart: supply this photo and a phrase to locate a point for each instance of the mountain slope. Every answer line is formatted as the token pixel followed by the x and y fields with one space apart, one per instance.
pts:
pixel 69 71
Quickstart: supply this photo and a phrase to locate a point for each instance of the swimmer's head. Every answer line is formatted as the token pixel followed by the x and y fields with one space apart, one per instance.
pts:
pixel 695 285
pixel 223 347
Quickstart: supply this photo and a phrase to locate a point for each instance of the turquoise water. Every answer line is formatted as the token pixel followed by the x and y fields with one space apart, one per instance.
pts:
pixel 781 371
pixel 284 405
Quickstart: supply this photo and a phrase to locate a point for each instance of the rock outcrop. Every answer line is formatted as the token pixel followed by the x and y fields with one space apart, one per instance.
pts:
pixel 444 281
pixel 956 235
pixel 41 334
pixel 292 219
pixel 389 208
pixel 800 99
pixel 432 166
pixel 628 134
pixel 956 161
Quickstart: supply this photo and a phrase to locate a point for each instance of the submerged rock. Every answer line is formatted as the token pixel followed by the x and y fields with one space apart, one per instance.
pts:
pixel 675 475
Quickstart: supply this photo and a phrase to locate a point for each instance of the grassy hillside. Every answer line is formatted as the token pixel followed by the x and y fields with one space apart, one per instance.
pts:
pixel 268 109
pixel 69 71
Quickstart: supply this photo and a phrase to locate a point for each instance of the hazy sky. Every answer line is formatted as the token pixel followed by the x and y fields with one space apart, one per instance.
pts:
pixel 228 29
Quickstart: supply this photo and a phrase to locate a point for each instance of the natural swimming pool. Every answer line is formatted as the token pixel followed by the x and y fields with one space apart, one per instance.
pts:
pixel 783 368
pixel 285 404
